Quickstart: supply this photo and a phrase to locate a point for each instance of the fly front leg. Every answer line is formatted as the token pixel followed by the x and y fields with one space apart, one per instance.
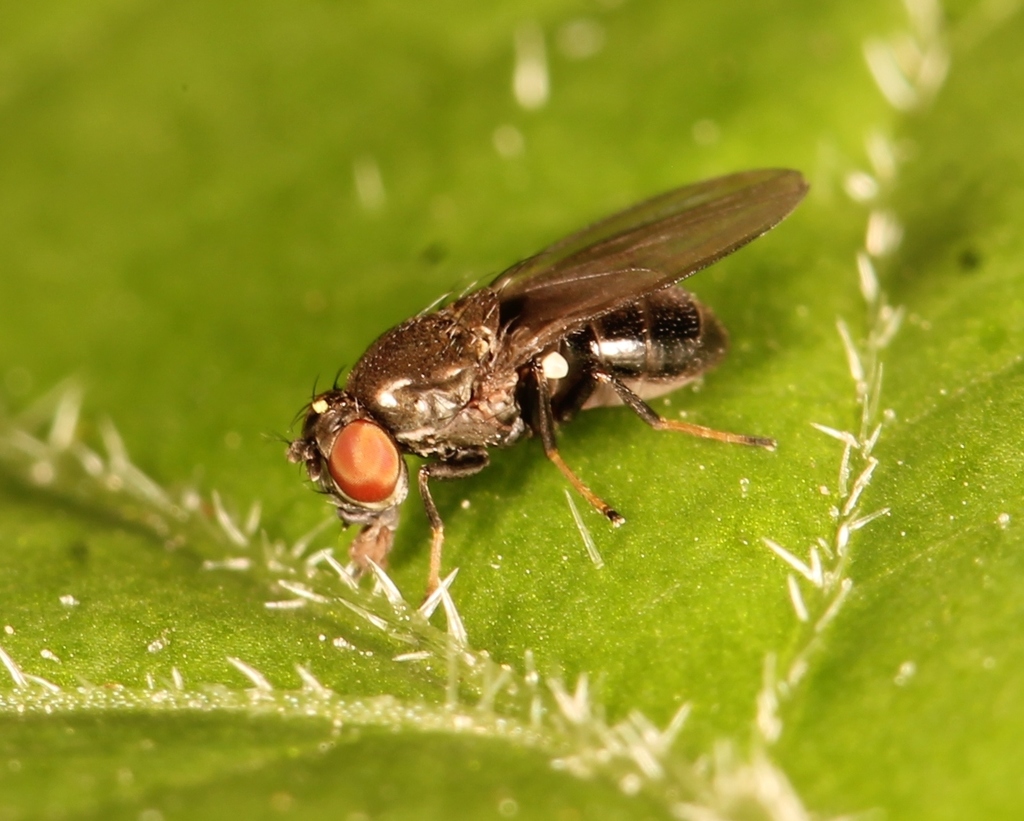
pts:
pixel 545 426
pixel 647 413
pixel 466 463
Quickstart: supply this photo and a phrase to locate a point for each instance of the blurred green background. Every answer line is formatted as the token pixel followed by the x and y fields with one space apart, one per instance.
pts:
pixel 205 207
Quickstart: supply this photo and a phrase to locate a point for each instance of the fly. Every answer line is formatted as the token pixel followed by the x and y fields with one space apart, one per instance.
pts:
pixel 594 320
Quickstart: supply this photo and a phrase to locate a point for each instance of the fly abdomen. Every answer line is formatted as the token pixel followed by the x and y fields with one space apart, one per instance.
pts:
pixel 654 345
pixel 665 335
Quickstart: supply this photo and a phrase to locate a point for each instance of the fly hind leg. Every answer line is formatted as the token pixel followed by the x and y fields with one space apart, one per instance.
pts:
pixel 645 412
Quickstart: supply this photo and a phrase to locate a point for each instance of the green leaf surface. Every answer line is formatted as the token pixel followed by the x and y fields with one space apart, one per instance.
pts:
pixel 205 207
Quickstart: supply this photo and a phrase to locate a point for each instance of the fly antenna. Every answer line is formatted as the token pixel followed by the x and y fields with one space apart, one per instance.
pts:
pixel 277 438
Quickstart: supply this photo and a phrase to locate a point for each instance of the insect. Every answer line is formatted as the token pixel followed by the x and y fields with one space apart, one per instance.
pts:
pixel 594 320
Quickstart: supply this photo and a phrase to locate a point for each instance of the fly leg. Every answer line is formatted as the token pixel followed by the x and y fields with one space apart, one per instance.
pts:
pixel 464 464
pixel 545 424
pixel 572 397
pixel 645 412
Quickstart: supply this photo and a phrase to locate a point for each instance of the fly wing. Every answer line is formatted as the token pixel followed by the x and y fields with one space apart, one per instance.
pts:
pixel 639 250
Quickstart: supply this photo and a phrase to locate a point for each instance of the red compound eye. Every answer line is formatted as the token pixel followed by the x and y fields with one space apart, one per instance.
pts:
pixel 365 463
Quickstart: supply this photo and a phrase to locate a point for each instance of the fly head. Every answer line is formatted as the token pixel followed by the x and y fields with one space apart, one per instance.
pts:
pixel 352 458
